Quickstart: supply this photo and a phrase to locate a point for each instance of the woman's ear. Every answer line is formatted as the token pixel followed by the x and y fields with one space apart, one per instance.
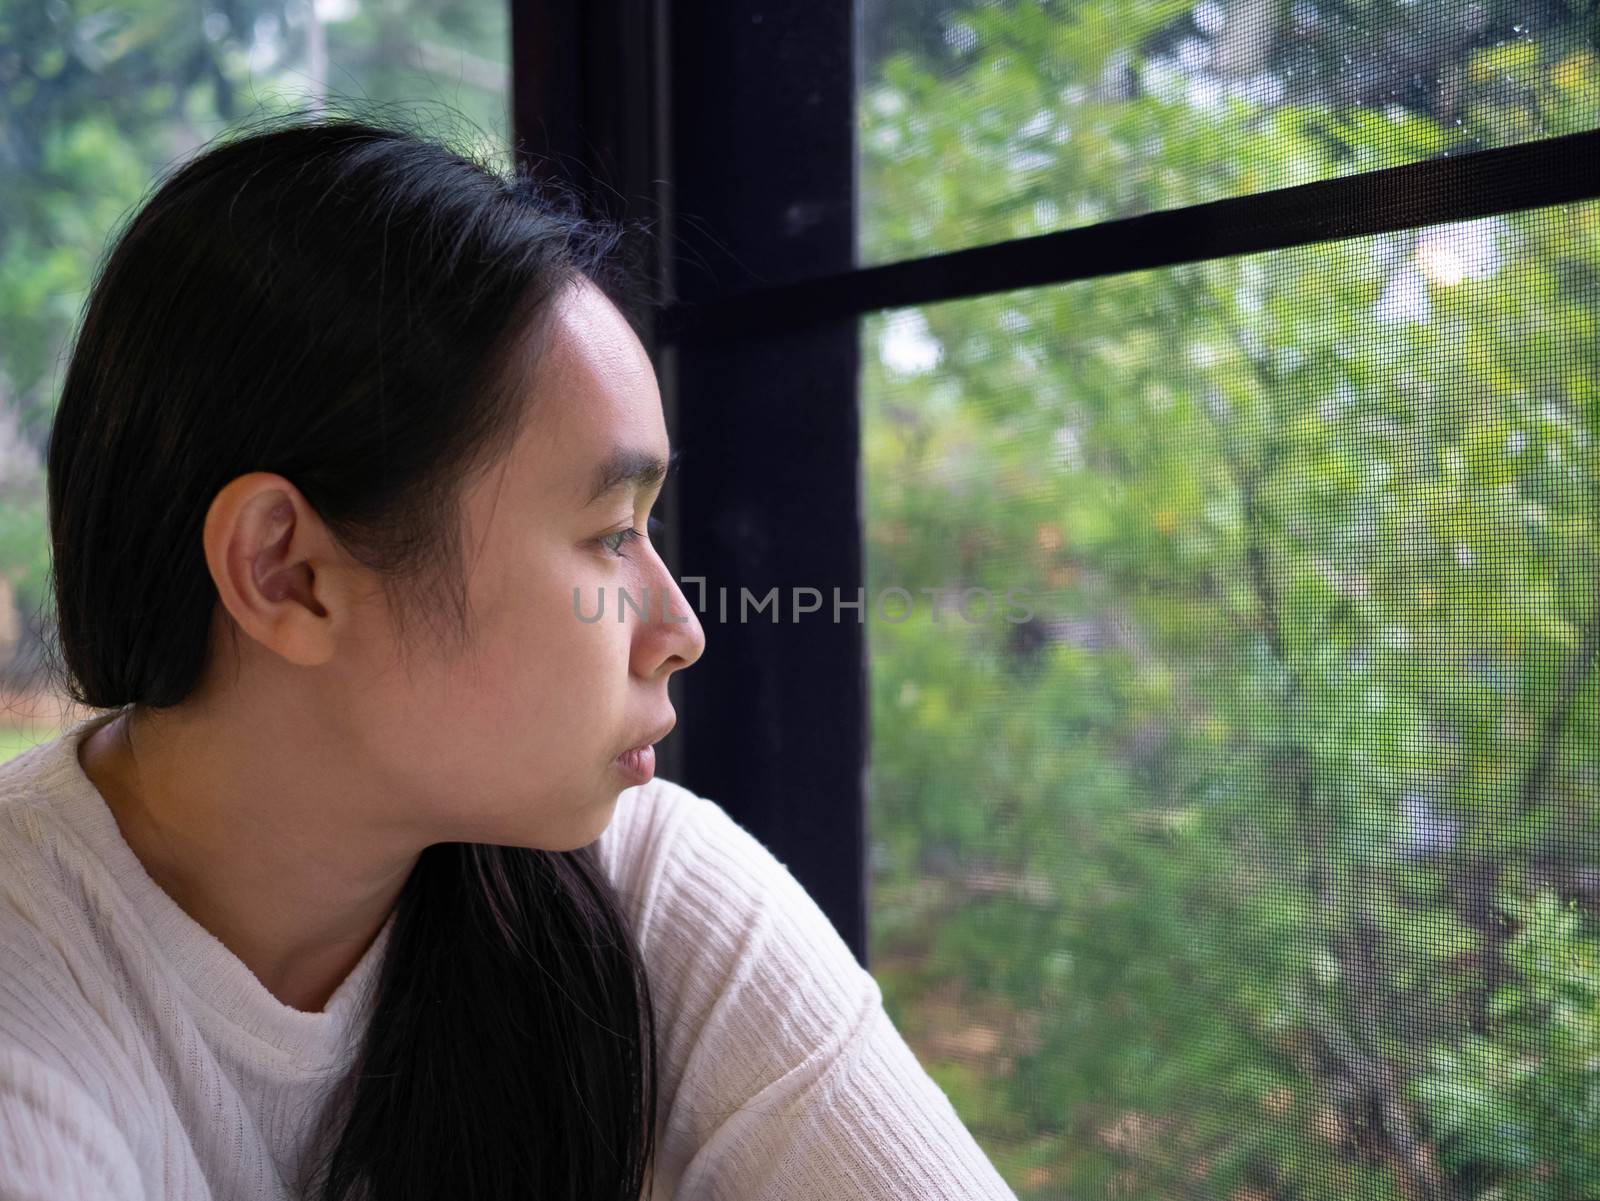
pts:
pixel 277 570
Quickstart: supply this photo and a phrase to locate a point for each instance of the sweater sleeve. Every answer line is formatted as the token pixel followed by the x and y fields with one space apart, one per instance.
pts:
pixel 56 1143
pixel 788 1080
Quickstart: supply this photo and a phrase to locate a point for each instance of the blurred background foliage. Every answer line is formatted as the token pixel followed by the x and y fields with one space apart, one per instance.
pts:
pixel 1263 863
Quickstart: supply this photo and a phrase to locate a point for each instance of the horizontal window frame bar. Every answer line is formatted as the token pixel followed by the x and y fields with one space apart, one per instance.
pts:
pixel 1485 183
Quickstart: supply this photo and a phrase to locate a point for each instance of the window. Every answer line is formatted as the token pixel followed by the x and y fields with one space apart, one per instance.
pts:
pixel 1268 831
pixel 1256 855
pixel 980 122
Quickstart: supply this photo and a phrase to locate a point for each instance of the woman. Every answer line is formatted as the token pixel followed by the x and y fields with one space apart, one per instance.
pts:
pixel 362 887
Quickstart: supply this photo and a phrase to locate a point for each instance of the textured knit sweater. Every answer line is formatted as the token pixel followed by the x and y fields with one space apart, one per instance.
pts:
pixel 141 1059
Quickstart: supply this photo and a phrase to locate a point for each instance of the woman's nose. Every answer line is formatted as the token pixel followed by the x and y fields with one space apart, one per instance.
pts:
pixel 678 617
pixel 670 619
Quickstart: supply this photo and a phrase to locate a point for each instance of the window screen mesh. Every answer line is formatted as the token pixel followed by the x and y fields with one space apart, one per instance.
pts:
pixel 983 122
pixel 1263 860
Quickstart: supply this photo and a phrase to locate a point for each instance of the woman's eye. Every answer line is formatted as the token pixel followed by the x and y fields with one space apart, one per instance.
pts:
pixel 615 542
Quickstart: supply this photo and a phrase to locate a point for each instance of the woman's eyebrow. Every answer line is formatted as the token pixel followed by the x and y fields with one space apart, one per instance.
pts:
pixel 628 466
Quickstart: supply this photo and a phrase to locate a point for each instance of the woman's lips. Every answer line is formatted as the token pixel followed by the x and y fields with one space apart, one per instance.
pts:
pixel 638 764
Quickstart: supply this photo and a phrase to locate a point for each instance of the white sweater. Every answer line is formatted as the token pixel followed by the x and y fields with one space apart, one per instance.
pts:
pixel 141 1059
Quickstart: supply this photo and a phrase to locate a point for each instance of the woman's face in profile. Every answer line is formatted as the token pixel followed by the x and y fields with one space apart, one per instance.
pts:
pixel 516 739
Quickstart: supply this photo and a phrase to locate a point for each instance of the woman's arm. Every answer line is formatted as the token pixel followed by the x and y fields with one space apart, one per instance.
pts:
pixel 783 1077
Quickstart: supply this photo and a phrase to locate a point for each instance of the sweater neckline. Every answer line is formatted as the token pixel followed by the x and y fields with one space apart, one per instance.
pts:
pixel 287 1040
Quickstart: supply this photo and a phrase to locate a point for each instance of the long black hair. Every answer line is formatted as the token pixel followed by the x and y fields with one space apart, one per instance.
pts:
pixel 353 306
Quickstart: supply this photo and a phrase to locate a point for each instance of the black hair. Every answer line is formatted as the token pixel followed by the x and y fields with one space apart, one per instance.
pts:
pixel 354 306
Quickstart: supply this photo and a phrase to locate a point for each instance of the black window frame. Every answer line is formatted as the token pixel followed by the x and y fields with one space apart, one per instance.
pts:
pixel 733 131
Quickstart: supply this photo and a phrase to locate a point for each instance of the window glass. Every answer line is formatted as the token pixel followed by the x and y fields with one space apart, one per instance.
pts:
pixel 96 102
pixel 979 123
pixel 1262 861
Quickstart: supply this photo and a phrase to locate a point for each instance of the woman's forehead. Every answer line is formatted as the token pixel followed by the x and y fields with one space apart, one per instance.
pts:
pixel 595 398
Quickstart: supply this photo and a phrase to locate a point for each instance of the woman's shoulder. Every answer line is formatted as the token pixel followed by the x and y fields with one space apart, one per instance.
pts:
pixel 43 863
pixel 635 847
pixel 670 849
pixel 33 871
pixel 52 901
pixel 689 872
pixel 41 798
pixel 60 1005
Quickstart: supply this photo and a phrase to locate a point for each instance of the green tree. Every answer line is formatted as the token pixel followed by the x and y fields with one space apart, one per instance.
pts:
pixel 1265 861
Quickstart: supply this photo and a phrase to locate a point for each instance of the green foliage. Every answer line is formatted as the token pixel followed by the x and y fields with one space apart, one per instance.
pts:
pixel 1263 864
pixel 1526 1097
